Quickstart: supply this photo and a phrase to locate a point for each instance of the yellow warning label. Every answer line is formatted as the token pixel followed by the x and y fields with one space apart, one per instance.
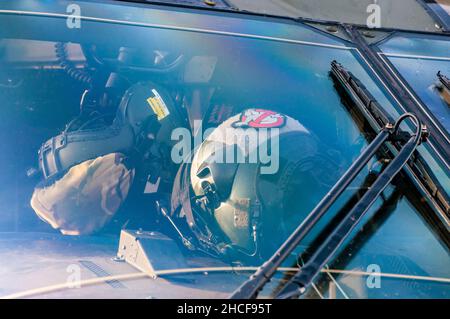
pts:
pixel 158 105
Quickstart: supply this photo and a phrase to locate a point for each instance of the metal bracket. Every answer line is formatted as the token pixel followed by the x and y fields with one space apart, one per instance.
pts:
pixel 149 251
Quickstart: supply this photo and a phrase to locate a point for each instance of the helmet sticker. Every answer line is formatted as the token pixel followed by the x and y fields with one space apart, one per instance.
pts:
pixel 260 118
pixel 158 105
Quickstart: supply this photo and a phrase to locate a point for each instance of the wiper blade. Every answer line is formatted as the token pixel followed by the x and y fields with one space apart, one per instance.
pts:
pixel 370 109
pixel 298 284
pixel 360 95
pixel 445 81
pixel 444 87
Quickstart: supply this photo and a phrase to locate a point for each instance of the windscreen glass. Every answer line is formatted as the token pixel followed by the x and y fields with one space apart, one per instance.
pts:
pixel 75 102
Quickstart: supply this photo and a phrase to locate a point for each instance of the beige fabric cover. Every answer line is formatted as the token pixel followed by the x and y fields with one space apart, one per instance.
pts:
pixel 86 197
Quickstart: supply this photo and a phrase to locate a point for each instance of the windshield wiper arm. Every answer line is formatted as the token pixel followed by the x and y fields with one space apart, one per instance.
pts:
pixel 252 287
pixel 298 284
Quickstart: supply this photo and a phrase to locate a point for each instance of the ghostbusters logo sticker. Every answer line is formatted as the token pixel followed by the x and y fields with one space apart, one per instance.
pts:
pixel 260 118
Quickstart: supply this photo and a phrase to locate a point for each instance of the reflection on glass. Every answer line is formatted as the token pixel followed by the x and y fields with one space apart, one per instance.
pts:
pixel 43 81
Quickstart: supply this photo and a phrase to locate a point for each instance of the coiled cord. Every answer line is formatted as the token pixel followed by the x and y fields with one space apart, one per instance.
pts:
pixel 71 70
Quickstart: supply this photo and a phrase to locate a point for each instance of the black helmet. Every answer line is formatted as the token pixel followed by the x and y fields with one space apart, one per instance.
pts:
pixel 146 110
pixel 245 208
